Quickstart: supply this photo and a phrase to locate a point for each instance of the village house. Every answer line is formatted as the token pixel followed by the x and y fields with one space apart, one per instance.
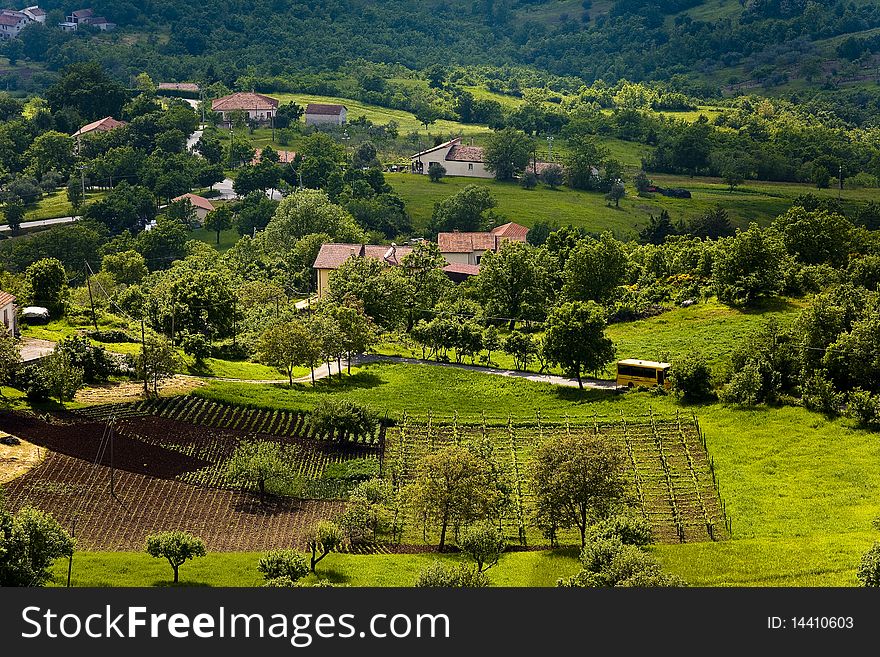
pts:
pixel 12 22
pixel 104 125
pixel 331 257
pixel 322 114
pixel 35 14
pixel 256 107
pixel 202 205
pixel 170 88
pixel 82 17
pixel 457 159
pixel 468 248
pixel 7 312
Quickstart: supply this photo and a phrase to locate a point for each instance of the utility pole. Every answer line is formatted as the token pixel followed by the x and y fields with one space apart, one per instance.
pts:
pixel 550 139
pixel 91 298
pixel 144 356
pixel 70 558
pixel 840 182
pixel 112 465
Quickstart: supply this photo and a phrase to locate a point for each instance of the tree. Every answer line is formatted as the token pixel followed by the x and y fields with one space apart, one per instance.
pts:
pixel 377 288
pixel 157 360
pixel 14 211
pixel 126 267
pixel 515 282
pixel 575 339
pixel 507 153
pixel 324 538
pixel 422 271
pixel 522 347
pixel 552 176
pixel 576 479
pixel 88 90
pixel 691 377
pixel 594 270
pixel 50 151
pixel 219 220
pixel 197 346
pixel 426 113
pixel 365 156
pixel 436 171
pixel 464 210
pixel 288 115
pixel 528 180
pixel 304 213
pixel 608 562
pixel 617 192
pixel 583 161
pixel 869 567
pixel 356 329
pixel 658 229
pixel 491 342
pixel 713 225
pixel 343 419
pixel 816 237
pixel 287 565
pixel 483 543
pixel 47 284
pixel 75 194
pixel 30 542
pixel 177 547
pixel 258 463
pixel 285 346
pixel 183 212
pixel 450 487
pixel 10 358
pixel 748 267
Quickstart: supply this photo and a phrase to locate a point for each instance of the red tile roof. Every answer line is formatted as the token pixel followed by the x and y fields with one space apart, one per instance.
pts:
pixel 243 101
pixel 331 256
pixel 284 157
pixel 12 21
pixel 104 125
pixel 326 110
pixel 511 231
pixel 466 242
pixel 6 298
pixel 465 154
pixel 198 201
pixel 460 268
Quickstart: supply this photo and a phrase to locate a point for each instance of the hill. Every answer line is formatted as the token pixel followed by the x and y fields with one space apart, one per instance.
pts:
pixel 696 44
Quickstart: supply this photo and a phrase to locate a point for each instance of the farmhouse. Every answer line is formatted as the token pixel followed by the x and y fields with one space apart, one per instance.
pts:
pixel 86 17
pixel 331 257
pixel 35 14
pixel 202 205
pixel 256 106
pixel 104 125
pixel 187 87
pixel 322 114
pixel 458 160
pixel 7 312
pixel 468 248
pixel 12 22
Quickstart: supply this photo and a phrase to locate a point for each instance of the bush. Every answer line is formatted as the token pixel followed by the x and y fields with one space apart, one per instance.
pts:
pixel 611 563
pixel 869 567
pixel 864 407
pixel 436 172
pixel 820 395
pixel 439 575
pixel 342 417
pixel 287 564
pixel 628 529
pixel 354 470
pixel 691 377
pixel 197 346
pixel 33 381
pixel 744 388
pixel 528 180
pixel 97 365
pixel 227 350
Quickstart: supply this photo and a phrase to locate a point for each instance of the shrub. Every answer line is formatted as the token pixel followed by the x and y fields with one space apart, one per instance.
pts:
pixel 197 346
pixel 111 336
pixel 439 575
pixel 610 563
pixel 436 172
pixel 343 417
pixel 820 395
pixel 864 407
pixel 96 364
pixel 628 529
pixel 32 379
pixel 483 543
pixel 744 388
pixel 691 377
pixel 528 180
pixel 287 564
pixel 869 567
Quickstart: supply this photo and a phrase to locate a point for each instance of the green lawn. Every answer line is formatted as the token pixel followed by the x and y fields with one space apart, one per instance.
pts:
pixel 760 202
pixel 228 238
pixel 240 569
pixel 54 205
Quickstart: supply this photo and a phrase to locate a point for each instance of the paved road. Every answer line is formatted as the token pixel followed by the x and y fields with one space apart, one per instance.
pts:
pixel 193 139
pixel 40 223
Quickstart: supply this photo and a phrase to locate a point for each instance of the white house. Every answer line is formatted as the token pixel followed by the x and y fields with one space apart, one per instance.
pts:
pixel 457 159
pixel 12 22
pixel 7 312
pixel 323 114
pixel 86 17
pixel 256 106
pixel 468 248
pixel 35 14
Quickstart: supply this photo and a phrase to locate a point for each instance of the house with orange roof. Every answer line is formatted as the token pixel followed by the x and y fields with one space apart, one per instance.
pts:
pixel 202 205
pixel 331 257
pixel 104 125
pixel 468 248
pixel 256 107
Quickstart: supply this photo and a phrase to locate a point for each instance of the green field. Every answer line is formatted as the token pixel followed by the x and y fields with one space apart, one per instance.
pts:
pixel 760 202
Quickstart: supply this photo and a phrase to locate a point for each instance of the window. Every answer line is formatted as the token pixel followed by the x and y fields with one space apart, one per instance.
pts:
pixel 470 167
pixel 641 372
pixel 5 318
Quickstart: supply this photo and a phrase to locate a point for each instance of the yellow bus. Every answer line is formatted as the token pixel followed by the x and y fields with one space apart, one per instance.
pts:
pixel 633 372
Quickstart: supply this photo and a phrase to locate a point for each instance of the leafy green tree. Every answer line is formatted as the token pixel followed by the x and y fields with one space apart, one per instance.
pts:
pixel 304 213
pixel 816 237
pixel 357 331
pixel 325 537
pixel 575 339
pixel 47 284
pixel 440 575
pixel 528 180
pixel 507 153
pixel 658 229
pixel 156 361
pixel 491 342
pixel 126 207
pixel 611 563
pixel 748 267
pixel 377 288
pixel 713 225
pixel 595 269
pixel 744 387
pixel 343 418
pixel 285 346
pixel 210 148
pixel 14 211
pixel 617 192
pixel 583 160
pixel 423 277
pixel 484 543
pixel 10 358
pixel 522 347
pixel 50 151
pixel 465 210
pixel 691 377
pixel 126 267
pixel 577 479
pixel 450 488
pixel 515 282
pixel 177 547
pixel 163 244
pixel 553 176
pixel 287 564
pixel 219 220
pixel 30 542
pixel 258 463
pixel 87 89
pixel 183 212
pixel 436 172
pixel 197 346
pixel 288 114
pixel 75 194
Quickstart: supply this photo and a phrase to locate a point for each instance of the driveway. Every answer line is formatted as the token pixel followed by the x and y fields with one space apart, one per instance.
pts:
pixel 32 349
